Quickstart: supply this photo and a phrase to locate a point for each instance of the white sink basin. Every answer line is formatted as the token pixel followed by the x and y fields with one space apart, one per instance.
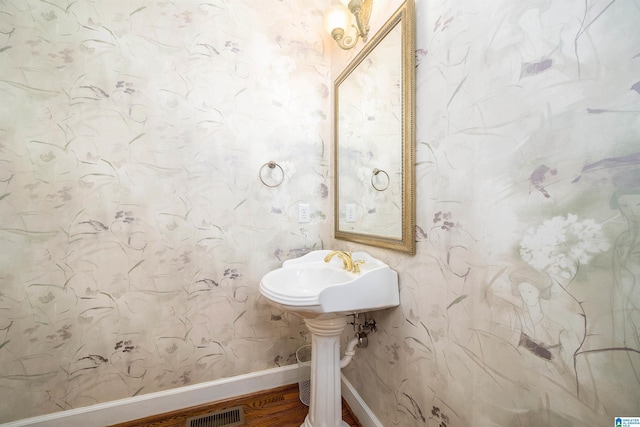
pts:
pixel 310 287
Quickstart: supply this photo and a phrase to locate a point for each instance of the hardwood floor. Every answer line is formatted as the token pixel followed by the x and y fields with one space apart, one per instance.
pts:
pixel 278 407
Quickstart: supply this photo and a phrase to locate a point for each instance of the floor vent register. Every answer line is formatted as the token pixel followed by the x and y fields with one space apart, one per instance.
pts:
pixel 231 417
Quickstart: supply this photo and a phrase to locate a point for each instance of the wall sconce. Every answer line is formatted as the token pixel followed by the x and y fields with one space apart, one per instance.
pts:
pixel 338 20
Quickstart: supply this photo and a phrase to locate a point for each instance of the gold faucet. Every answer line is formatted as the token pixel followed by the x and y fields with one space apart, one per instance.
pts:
pixel 347 262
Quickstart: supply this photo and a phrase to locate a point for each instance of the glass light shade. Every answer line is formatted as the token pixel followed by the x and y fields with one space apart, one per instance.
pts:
pixel 337 16
pixel 345 2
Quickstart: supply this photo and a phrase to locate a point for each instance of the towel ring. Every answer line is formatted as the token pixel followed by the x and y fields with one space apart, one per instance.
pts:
pixel 271 165
pixel 376 172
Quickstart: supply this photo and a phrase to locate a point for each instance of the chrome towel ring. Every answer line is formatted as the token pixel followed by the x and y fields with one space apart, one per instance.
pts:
pixel 271 165
pixel 377 172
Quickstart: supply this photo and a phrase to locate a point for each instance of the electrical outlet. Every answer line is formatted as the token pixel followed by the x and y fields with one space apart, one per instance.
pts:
pixel 304 212
pixel 350 212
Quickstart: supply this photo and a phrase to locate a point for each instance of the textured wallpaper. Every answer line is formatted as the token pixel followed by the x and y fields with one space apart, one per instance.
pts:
pixel 522 305
pixel 133 224
pixel 134 227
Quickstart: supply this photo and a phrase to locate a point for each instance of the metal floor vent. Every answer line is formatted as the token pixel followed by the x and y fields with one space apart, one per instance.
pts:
pixel 226 418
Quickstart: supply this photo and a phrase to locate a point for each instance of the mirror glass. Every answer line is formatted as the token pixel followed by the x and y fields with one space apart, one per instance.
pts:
pixel 374 139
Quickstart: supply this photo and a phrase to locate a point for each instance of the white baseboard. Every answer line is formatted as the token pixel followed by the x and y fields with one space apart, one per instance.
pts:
pixel 119 411
pixel 359 408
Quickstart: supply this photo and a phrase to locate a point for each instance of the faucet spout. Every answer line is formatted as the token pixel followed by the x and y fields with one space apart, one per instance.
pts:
pixel 347 262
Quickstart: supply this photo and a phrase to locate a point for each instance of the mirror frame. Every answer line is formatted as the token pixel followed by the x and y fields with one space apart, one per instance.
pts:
pixel 405 17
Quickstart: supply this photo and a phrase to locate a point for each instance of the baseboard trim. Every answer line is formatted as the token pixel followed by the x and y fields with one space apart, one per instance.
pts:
pixel 133 408
pixel 358 406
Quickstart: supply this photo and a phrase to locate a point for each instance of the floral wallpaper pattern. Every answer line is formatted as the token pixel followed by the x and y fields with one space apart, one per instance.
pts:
pixel 134 227
pixel 521 307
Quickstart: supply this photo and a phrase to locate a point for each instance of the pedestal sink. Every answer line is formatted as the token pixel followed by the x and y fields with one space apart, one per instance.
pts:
pixel 324 293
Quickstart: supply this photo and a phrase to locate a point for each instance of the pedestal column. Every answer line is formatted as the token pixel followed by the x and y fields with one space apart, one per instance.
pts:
pixel 325 407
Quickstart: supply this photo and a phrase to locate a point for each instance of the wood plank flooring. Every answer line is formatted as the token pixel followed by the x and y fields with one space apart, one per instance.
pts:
pixel 278 407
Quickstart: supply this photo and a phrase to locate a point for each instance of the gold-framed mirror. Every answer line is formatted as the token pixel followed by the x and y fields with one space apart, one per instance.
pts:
pixel 374 139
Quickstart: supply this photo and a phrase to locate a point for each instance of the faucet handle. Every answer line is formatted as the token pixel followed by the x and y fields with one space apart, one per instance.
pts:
pixel 357 264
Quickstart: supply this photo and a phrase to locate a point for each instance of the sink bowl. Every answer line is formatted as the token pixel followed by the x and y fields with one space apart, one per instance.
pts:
pixel 312 288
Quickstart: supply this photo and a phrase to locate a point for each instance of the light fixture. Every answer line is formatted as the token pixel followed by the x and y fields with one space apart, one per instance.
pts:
pixel 339 22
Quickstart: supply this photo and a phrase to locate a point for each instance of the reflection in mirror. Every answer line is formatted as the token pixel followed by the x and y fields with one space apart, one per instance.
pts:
pixel 374 139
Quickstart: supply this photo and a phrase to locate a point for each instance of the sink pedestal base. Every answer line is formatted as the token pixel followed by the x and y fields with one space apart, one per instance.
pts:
pixel 325 406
